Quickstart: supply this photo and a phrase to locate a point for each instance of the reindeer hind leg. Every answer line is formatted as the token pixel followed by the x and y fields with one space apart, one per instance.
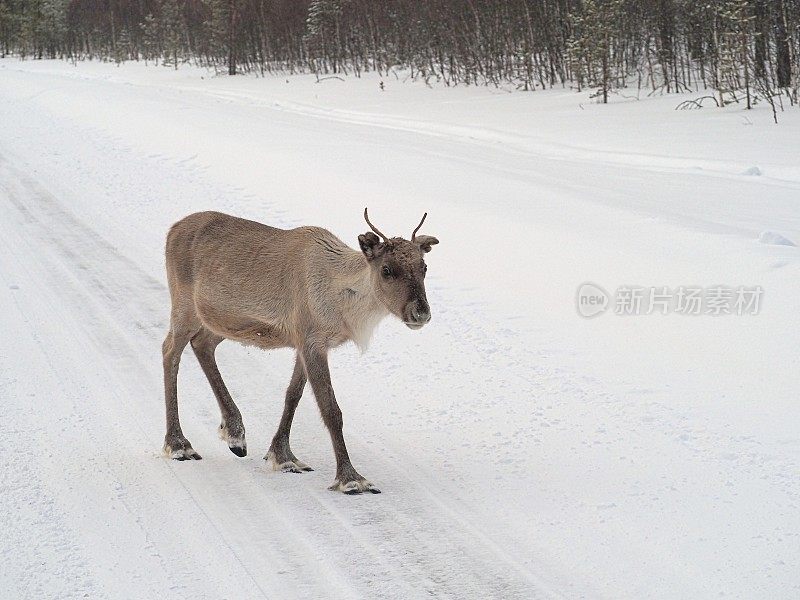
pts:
pixel 183 326
pixel 231 428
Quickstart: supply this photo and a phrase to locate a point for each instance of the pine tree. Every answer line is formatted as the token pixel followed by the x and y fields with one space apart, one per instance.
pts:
pixel 8 28
pixel 151 38
pixel 322 31
pixel 222 27
pixel 737 22
pixel 591 44
pixel 171 29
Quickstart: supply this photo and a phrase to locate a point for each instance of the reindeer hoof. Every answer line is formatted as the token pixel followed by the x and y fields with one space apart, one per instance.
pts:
pixel 181 452
pixel 236 441
pixel 289 466
pixel 352 488
pixel 194 456
pixel 239 451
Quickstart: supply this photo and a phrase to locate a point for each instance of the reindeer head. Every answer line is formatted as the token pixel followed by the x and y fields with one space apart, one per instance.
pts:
pixel 398 272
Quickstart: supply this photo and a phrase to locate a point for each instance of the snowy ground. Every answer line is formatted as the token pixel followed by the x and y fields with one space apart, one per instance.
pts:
pixel 523 451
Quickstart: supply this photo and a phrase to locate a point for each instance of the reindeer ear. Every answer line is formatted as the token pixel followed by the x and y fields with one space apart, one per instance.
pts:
pixel 425 242
pixel 371 245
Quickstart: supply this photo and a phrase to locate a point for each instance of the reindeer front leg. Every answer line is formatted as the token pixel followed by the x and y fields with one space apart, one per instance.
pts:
pixel 280 455
pixel 348 480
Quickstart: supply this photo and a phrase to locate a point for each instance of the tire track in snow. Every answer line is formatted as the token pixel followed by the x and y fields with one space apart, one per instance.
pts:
pixel 33 565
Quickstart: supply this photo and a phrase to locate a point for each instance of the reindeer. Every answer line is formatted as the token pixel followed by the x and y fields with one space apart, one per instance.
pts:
pixel 303 288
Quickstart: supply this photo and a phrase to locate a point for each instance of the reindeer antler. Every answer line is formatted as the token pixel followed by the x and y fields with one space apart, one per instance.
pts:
pixel 375 229
pixel 418 226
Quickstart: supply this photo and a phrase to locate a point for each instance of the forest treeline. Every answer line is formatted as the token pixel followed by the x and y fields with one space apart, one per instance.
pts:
pixel 744 50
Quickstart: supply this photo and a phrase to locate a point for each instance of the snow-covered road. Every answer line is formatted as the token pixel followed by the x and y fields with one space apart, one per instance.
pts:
pixel 523 451
pixel 107 517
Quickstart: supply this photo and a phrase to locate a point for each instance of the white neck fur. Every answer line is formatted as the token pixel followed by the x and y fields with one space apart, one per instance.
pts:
pixel 363 310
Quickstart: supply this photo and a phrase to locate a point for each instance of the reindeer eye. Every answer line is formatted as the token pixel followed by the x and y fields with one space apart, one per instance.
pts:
pixel 386 272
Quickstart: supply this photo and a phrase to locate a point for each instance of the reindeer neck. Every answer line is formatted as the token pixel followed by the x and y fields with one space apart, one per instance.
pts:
pixel 362 309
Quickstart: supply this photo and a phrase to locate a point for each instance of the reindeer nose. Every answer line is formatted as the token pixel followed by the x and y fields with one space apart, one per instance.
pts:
pixel 420 316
